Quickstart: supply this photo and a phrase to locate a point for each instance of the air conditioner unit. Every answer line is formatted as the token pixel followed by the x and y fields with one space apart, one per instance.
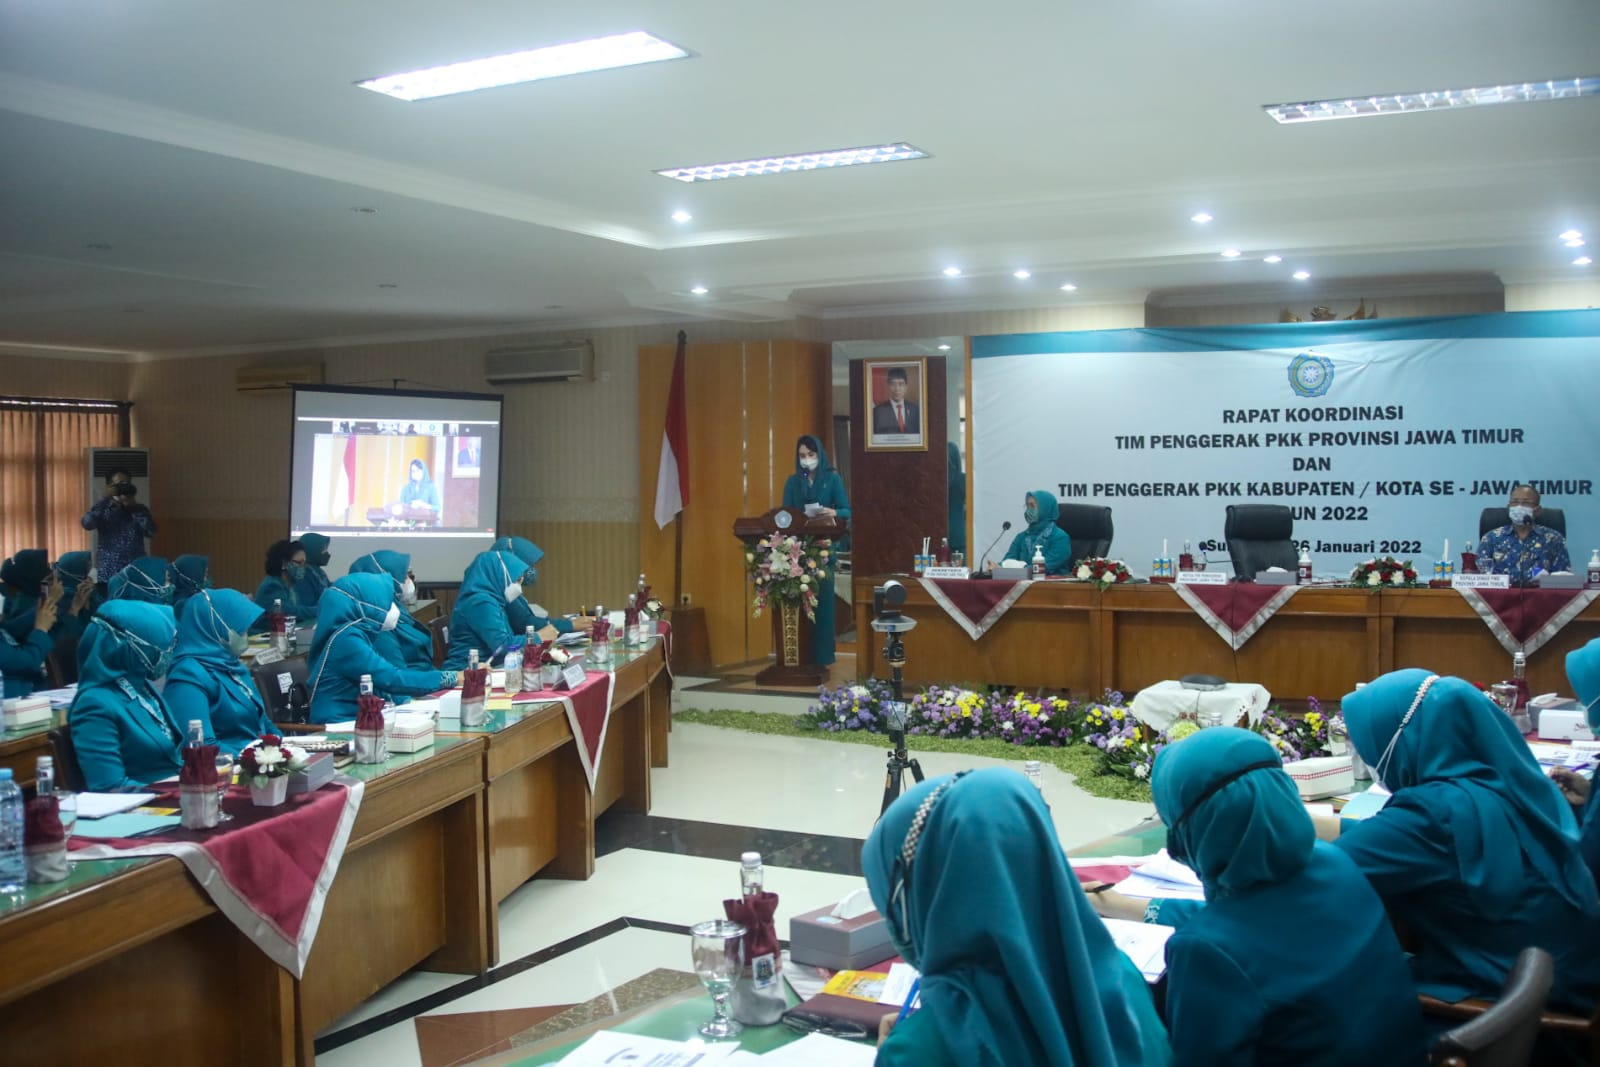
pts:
pixel 276 377
pixel 102 461
pixel 569 361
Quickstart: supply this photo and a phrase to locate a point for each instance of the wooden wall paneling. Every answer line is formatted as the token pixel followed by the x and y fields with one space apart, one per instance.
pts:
pixel 900 497
pixel 762 489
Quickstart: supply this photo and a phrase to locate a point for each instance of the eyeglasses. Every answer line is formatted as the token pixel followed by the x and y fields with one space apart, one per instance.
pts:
pixel 797 1020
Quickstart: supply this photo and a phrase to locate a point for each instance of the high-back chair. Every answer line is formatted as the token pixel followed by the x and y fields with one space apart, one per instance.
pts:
pixel 1260 536
pixel 1503 1033
pixel 1494 518
pixel 1090 527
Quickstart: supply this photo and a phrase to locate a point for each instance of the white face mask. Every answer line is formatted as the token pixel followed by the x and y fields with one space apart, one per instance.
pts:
pixel 238 644
pixel 513 591
pixel 408 592
pixel 809 462
pixel 391 619
pixel 1521 514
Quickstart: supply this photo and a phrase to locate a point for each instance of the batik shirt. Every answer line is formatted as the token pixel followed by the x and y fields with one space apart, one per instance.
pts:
pixel 1544 550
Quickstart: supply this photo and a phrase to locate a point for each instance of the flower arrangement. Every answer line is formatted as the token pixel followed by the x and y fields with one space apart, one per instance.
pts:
pixel 861 706
pixel 268 757
pixel 788 569
pixel 1388 571
pixel 1128 748
pixel 1314 734
pixel 1103 572
pixel 1024 719
pixel 950 711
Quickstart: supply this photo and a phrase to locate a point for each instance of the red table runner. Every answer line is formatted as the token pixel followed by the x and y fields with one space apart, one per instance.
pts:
pixel 588 713
pixel 1237 610
pixel 268 871
pixel 1523 620
pixel 975 604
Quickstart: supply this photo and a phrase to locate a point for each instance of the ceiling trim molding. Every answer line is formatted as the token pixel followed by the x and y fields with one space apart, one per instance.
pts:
pixel 1021 303
pixel 1373 288
pixel 96 355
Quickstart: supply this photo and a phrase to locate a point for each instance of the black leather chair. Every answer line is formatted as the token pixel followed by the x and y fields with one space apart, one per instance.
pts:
pixel 439 627
pixel 1494 518
pixel 1504 1034
pixel 1260 536
pixel 1090 527
pixel 275 690
pixel 61 666
pixel 68 774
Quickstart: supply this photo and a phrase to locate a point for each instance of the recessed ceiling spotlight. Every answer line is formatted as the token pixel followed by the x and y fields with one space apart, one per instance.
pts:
pixel 699 290
pixel 1022 275
pixel 1570 235
pixel 534 64
pixel 1301 275
pixel 1068 287
pixel 1272 259
pixel 681 216
pixel 1200 217
pixel 365 210
pixel 1230 253
pixel 951 272
pixel 1439 100
pixel 1582 261
pixel 1575 242
pixel 944 348
pixel 834 158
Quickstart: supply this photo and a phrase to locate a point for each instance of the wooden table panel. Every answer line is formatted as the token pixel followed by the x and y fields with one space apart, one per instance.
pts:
pixel 1438 630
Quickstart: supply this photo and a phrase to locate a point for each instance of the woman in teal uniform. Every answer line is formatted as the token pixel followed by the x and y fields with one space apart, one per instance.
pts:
pixel 355 609
pixel 419 490
pixel 285 567
pixel 482 617
pixel 308 590
pixel 124 734
pixel 521 613
pixel 409 644
pixel 1583 672
pixel 145 579
pixel 1016 967
pixel 1039 511
pixel 208 681
pixel 80 596
pixel 1245 984
pixel 1476 852
pixel 814 481
pixel 23 576
pixel 188 575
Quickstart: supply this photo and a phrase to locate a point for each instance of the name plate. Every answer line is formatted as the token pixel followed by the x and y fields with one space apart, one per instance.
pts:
pixel 573 675
pixel 1481 581
pixel 947 572
pixel 1202 578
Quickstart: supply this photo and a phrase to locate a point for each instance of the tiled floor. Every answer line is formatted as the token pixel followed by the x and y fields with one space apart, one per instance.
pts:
pixel 805 805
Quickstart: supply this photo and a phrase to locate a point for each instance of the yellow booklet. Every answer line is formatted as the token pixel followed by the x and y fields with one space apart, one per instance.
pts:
pixel 857 985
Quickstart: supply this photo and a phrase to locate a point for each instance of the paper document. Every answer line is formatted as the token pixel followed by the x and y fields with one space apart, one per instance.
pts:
pixel 1362 805
pixel 59 698
pixel 99 805
pixel 609 1048
pixel 901 978
pixel 1320 808
pixel 1143 943
pixel 805 979
pixel 1162 876
pixel 576 637
pixel 127 824
pixel 814 1049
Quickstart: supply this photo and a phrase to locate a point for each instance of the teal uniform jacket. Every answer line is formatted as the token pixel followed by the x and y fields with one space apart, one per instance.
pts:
pixel 1044 534
pixel 272 589
pixel 1583 672
pixel 207 680
pixel 353 611
pixel 409 644
pixel 73 570
pixel 125 735
pixel 521 614
pixel 1476 852
pixel 309 589
pixel 822 486
pixel 23 661
pixel 482 617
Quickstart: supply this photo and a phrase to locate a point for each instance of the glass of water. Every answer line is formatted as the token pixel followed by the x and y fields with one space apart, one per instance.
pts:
pixel 717 947
pixel 67 805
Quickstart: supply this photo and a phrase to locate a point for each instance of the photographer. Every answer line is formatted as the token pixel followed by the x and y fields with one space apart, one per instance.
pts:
pixel 122 522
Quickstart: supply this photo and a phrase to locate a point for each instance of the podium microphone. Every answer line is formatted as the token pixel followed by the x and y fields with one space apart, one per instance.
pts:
pixel 985 573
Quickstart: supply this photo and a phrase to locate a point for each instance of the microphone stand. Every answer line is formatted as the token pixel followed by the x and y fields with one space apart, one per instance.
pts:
pixel 986 572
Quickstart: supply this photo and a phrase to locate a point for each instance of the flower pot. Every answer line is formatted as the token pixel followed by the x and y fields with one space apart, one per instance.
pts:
pixel 271 794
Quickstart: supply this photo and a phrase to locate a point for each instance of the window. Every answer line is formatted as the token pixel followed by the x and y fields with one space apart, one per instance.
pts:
pixel 44 468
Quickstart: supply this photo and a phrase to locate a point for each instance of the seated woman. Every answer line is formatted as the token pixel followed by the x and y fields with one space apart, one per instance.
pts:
pixel 308 590
pixel 1583 672
pixel 521 613
pixel 355 609
pixel 286 565
pixel 23 662
pixel 207 680
pixel 1244 985
pixel 188 575
pixel 1476 853
pixel 124 733
pixel 1040 510
pixel 22 578
pixel 419 492
pixel 409 644
pixel 1016 967
pixel 145 579
pixel 815 482
pixel 482 617
pixel 72 571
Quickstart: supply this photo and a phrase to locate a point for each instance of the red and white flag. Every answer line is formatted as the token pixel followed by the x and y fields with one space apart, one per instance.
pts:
pixel 672 478
pixel 345 490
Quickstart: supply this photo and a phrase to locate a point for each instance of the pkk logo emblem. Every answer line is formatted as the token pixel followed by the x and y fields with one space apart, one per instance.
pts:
pixel 1310 374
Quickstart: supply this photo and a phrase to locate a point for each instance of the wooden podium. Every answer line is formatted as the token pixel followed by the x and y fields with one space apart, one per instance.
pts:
pixel 791 628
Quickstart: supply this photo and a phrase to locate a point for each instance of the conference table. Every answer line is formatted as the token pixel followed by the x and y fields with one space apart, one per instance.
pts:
pixel 1071 636
pixel 129 961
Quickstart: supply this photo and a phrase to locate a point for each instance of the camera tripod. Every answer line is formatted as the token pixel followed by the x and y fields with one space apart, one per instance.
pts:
pixel 900 760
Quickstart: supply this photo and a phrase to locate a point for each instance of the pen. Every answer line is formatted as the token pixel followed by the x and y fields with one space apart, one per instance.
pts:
pixel 1101 888
pixel 911 998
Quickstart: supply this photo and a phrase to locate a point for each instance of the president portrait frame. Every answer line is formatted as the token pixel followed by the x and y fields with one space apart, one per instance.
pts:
pixel 888 429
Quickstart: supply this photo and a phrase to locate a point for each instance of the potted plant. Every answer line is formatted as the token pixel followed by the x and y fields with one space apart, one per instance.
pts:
pixel 266 764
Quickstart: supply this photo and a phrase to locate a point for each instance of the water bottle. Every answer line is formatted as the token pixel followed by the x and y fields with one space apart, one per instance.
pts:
pixel 472 659
pixel 366 684
pixel 1036 566
pixel 291 635
pixel 751 873
pixel 1033 772
pixel 197 734
pixel 1594 569
pixel 44 776
pixel 513 665
pixel 13 862
pixel 276 624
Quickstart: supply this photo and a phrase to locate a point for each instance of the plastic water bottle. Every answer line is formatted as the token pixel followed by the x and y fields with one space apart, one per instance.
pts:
pixel 513 667
pixel 44 776
pixel 751 874
pixel 1033 772
pixel 13 863
pixel 366 685
pixel 1594 569
pixel 197 734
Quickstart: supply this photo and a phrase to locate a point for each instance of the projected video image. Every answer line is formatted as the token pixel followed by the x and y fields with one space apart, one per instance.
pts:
pixel 396 476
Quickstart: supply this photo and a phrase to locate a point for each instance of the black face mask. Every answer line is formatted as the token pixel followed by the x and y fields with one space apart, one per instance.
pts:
pixel 322 558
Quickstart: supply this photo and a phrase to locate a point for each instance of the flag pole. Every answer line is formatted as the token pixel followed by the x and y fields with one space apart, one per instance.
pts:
pixel 677 520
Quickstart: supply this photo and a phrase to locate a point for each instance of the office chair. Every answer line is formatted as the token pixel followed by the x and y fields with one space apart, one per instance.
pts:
pixel 1503 1034
pixel 1260 536
pixel 1494 518
pixel 68 774
pixel 1091 529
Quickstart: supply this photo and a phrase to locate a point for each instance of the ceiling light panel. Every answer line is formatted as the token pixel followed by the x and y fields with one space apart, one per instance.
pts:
pixel 535 64
pixel 1360 107
pixel 750 168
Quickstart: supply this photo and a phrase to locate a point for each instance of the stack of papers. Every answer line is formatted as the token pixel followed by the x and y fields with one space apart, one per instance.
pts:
pixel 1143 943
pixel 1162 876
pixel 576 637
pixel 99 805
pixel 609 1048
pixel 59 698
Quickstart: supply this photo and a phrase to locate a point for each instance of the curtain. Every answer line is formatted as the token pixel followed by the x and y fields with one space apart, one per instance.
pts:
pixel 44 472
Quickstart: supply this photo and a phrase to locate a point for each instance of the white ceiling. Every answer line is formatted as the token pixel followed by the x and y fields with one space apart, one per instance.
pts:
pixel 220 148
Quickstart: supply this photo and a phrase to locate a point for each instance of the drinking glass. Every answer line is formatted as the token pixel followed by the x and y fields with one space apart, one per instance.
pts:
pixel 717 947
pixel 67 803
pixel 224 782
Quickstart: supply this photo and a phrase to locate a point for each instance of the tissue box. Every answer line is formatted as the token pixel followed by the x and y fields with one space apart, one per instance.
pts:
pixel 1324 776
pixel 1011 574
pixel 318 772
pixel 1564 724
pixel 23 712
pixel 1277 577
pixel 821 940
pixel 411 733
pixel 1561 581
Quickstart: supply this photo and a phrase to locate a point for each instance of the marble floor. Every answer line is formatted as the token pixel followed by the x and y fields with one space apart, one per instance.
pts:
pixel 569 949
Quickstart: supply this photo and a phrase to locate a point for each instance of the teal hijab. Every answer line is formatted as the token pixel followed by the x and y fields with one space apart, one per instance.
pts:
pixel 1231 812
pixel 145 579
pixel 1583 671
pixel 1016 966
pixel 316 546
pixel 488 575
pixel 523 549
pixel 206 623
pixel 73 570
pixel 1460 758
pixel 1037 530
pixel 812 442
pixel 395 564
pixel 354 602
pixel 26 571
pixel 188 575
pixel 130 641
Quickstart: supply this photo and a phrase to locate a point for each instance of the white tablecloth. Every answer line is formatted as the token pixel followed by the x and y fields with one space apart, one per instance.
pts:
pixel 1160 705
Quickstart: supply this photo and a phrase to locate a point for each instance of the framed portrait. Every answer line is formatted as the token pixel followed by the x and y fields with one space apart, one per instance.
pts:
pixel 466 457
pixel 896 403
